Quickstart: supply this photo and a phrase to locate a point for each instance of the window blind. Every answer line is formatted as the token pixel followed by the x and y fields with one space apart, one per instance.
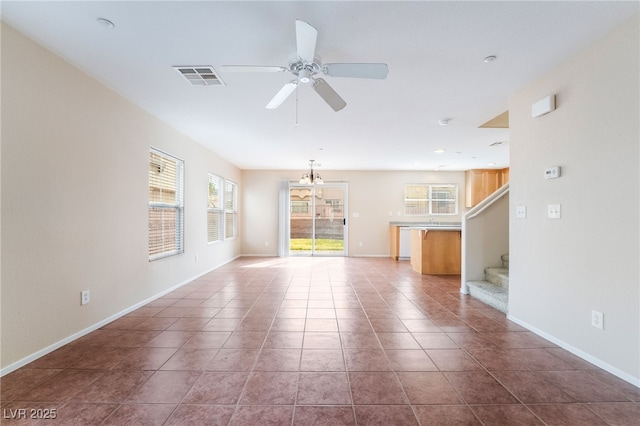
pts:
pixel 215 209
pixel 430 199
pixel 166 205
pixel 230 209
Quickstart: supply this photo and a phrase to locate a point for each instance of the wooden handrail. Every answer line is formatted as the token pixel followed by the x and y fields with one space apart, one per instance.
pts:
pixel 482 205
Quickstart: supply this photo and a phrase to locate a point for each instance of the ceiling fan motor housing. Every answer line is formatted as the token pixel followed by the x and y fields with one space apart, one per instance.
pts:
pixel 304 70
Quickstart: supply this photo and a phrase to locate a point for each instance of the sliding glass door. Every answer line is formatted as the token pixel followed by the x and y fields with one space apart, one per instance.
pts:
pixel 317 219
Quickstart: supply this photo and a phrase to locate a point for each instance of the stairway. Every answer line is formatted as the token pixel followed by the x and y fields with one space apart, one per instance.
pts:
pixel 494 290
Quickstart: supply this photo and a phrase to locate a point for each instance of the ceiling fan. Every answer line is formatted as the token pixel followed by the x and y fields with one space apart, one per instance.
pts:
pixel 306 67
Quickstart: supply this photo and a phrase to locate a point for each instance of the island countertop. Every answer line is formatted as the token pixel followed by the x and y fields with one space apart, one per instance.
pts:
pixel 395 226
pixel 423 224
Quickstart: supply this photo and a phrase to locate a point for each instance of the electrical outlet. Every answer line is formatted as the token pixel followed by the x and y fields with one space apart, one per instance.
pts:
pixel 597 319
pixel 84 297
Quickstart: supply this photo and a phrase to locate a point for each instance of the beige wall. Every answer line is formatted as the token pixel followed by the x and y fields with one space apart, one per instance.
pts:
pixel 588 260
pixel 372 196
pixel 74 202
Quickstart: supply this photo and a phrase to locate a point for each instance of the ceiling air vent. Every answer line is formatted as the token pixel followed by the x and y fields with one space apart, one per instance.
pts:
pixel 200 76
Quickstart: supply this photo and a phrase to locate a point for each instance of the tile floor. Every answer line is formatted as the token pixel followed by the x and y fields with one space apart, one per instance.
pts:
pixel 315 341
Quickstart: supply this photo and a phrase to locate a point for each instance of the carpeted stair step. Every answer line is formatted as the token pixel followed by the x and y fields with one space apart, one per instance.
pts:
pixel 497 276
pixel 493 295
pixel 505 261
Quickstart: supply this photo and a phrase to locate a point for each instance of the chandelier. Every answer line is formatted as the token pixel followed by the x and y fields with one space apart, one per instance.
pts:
pixel 311 177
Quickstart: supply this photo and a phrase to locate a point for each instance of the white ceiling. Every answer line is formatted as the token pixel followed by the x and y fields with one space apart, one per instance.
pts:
pixel 434 51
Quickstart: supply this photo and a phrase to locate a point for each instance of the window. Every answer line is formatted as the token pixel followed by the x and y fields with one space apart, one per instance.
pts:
pixel 230 209
pixel 299 207
pixel 430 199
pixel 336 205
pixel 166 205
pixel 215 209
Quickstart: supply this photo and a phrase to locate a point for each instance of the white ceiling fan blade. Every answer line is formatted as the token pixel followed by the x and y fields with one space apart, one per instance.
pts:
pixel 378 71
pixel 329 95
pixel 283 94
pixel 252 68
pixel 306 36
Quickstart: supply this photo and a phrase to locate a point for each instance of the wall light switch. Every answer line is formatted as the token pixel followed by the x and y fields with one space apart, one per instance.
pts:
pixel 521 212
pixel 553 211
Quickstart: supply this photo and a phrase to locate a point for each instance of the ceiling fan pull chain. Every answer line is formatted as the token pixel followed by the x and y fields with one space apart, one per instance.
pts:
pixel 297 89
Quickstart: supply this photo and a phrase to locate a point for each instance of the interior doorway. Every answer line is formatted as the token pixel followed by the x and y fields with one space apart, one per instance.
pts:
pixel 317 219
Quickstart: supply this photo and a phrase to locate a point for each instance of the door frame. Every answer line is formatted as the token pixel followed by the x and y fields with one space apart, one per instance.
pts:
pixel 285 217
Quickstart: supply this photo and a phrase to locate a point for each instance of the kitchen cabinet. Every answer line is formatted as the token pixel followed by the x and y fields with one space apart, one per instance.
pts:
pixel 394 242
pixel 480 183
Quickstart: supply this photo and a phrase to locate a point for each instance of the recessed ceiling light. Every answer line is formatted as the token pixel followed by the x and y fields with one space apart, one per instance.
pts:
pixel 105 23
pixel 490 58
pixel 439 151
pixel 491 164
pixel 444 121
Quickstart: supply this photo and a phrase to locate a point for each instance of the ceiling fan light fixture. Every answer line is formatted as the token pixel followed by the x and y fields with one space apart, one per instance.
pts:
pixel 304 75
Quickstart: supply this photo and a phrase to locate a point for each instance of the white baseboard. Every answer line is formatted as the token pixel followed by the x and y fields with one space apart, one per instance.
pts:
pixel 42 352
pixel 579 353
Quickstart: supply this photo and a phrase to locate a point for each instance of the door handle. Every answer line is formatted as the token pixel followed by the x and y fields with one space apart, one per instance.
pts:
pixel 344 220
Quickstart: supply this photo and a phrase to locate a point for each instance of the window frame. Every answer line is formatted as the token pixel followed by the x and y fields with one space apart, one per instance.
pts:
pixel 177 205
pixel 217 211
pixel 230 210
pixel 430 188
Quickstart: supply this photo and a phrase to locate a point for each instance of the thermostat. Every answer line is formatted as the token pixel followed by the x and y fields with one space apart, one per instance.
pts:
pixel 552 173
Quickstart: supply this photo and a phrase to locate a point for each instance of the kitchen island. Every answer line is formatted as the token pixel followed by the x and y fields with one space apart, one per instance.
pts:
pixel 435 247
pixel 436 250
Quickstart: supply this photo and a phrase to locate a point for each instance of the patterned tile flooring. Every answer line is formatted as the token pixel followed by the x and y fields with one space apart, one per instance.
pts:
pixel 315 341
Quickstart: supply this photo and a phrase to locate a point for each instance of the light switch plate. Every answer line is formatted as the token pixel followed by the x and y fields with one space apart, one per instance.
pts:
pixel 521 212
pixel 553 211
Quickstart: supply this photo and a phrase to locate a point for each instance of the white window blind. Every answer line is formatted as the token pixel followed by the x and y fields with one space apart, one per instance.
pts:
pixel 430 199
pixel 230 209
pixel 444 199
pixel 215 209
pixel 166 205
pixel 416 200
